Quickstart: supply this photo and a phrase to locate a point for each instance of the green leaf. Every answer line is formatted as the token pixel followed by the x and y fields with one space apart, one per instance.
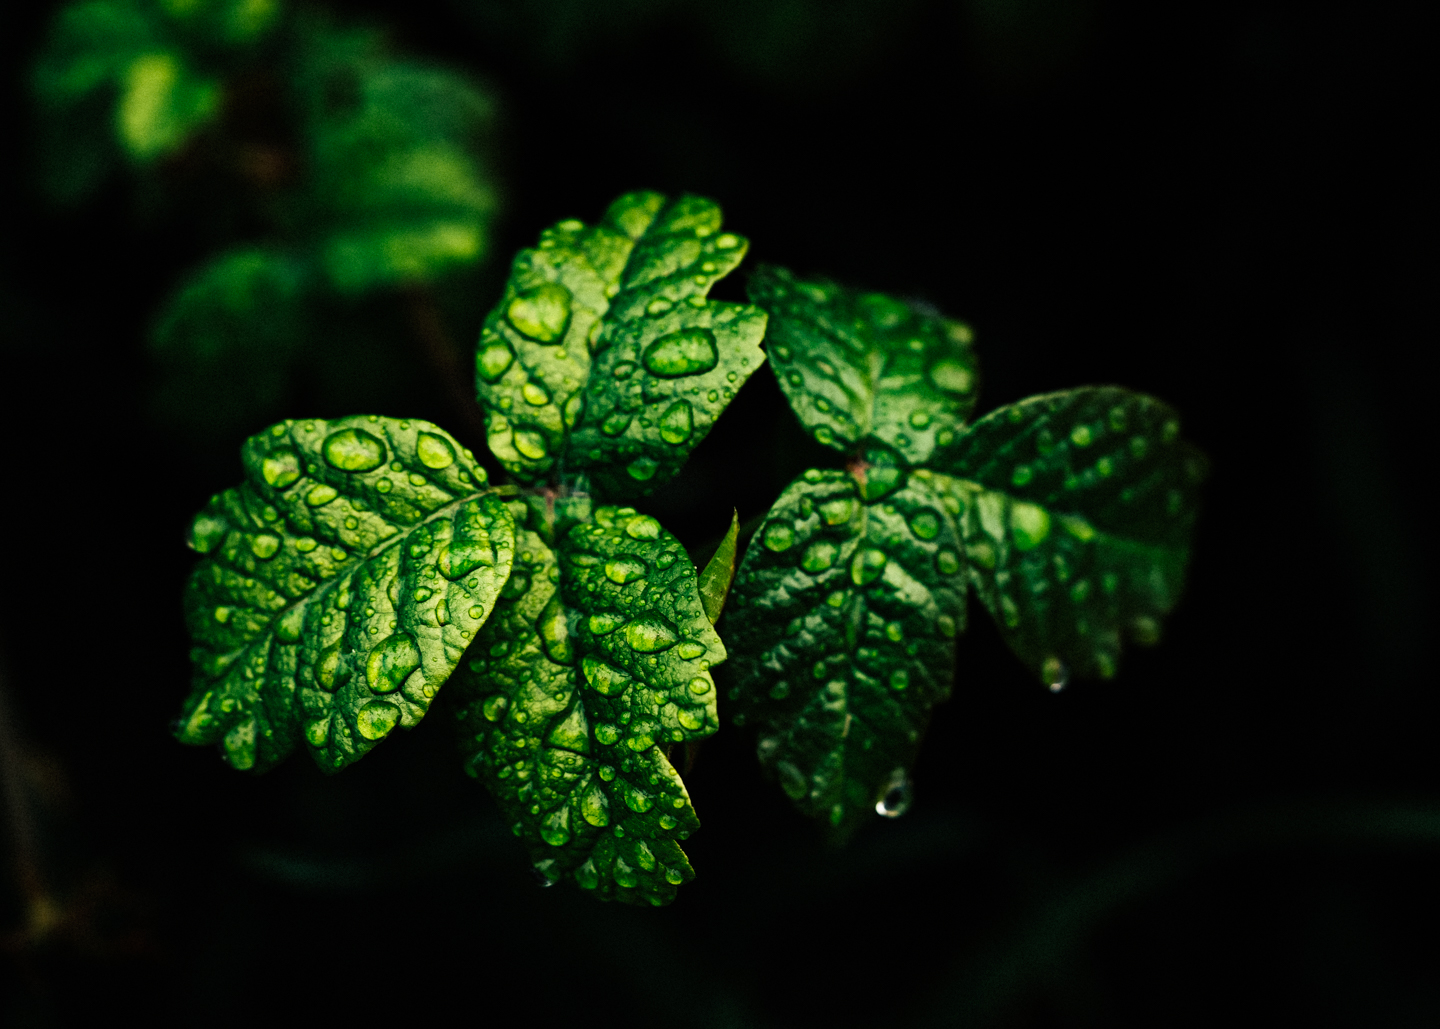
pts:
pixel 401 191
pixel 341 583
pixel 1076 510
pixel 860 367
pixel 596 662
pixel 605 332
pixel 720 572
pixel 843 623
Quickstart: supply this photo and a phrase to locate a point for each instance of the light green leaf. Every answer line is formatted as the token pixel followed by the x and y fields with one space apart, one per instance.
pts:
pixel 605 332
pixel 843 620
pixel 595 663
pixel 863 367
pixel 341 583
pixel 1076 510
pixel 720 572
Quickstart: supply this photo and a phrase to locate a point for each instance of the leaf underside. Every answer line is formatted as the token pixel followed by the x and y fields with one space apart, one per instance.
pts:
pixel 1076 510
pixel 843 625
pixel 596 661
pixel 604 350
pixel 861 368
pixel 342 582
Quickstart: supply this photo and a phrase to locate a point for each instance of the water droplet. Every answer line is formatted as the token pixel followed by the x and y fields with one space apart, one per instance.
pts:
pixel 778 537
pixel 1145 630
pixel 780 690
pixel 792 780
pixel 494 707
pixel 642 469
pixel 605 678
pixel 624 370
pixel 1054 673
pixel 554 628
pixel 353 450
pixel 690 650
pixel 624 874
pixel 534 395
pixel 280 468
pixel 1081 435
pixel 951 376
pixel 637 800
pixel 919 419
pixel 595 806
pixel 677 423
pixel 352 522
pixel 945 626
pixel 607 734
pixel 289 626
pixel 603 623
pixel 1021 475
pixel 727 241
pixel 615 423
pixel 650 635
pixel 493 360
pixel 1029 525
pixel 206 533
pixel 391 662
pixel 643 528
pixel 691 718
pixel 376 719
pixel 925 524
pixel 434 451
pixel 822 405
pixel 530 444
pixel 625 569
pixel 700 685
pixel 837 511
pixel 819 556
pixel 555 828
pixel 321 495
pixel 899 679
pixel 265 546
pixel 867 565
pixel 687 352
pixel 541 313
pixel 895 799
pixel 317 731
pixel 824 436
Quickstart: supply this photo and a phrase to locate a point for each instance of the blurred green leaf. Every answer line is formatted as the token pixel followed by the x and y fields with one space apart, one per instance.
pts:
pixel 842 626
pixel 1076 510
pixel 860 367
pixel 595 662
pixel 341 583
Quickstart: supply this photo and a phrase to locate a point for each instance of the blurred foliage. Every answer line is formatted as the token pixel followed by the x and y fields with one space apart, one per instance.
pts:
pixel 330 171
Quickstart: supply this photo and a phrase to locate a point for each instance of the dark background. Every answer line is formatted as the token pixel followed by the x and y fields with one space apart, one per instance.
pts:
pixel 1229 207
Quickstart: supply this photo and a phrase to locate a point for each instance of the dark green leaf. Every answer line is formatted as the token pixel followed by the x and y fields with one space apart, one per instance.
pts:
pixel 861 367
pixel 595 663
pixel 843 621
pixel 1076 510
pixel 605 331
pixel 341 584
pixel 719 572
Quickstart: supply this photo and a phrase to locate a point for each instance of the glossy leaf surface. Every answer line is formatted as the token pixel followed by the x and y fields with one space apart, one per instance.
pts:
pixel 604 348
pixel 1076 510
pixel 860 367
pixel 594 664
pixel 341 583
pixel 843 620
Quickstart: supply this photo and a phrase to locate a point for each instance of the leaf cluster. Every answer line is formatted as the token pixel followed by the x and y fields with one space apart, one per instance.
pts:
pixel 366 562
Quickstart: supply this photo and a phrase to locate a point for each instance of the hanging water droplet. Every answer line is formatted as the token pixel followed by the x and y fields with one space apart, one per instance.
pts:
pixel 895 799
pixel 605 678
pixel 687 352
pixel 353 450
pixel 541 313
pixel 1055 674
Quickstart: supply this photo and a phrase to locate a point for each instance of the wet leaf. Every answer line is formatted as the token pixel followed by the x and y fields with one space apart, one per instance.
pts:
pixel 595 663
pixel 340 585
pixel 864 368
pixel 842 624
pixel 605 349
pixel 1077 510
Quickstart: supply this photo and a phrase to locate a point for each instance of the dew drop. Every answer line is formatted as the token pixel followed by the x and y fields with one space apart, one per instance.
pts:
pixel 534 395
pixel 280 468
pixel 819 556
pixel 353 450
pixel 677 423
pixel 265 546
pixel 650 635
pixel 895 800
pixel 643 528
pixel 792 780
pixel 1055 674
pixel 391 662
pixel 493 360
pixel 687 352
pixel 541 313
pixel 690 650
pixel 951 376
pixel 778 537
pixel 607 734
pixel 621 570
pixel 919 419
pixel 615 423
pixel 867 565
pixel 376 719
pixel 602 623
pixel 925 524
pixel 1081 435
pixel 642 469
pixel 531 444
